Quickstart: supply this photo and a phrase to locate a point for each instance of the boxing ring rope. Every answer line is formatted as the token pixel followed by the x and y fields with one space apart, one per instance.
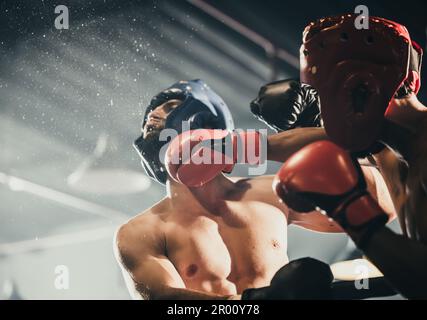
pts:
pixel 18 184
pixel 60 240
pixel 270 49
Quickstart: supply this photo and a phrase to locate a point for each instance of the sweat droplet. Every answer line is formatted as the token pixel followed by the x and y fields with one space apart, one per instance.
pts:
pixel 314 70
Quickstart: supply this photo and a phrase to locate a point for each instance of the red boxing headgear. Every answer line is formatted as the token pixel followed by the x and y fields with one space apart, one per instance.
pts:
pixel 357 73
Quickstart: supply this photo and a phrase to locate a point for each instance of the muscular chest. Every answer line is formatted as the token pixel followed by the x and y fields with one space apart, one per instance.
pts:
pixel 249 241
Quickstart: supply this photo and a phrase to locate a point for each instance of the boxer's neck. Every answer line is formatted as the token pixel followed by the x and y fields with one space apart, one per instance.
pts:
pixel 404 118
pixel 208 198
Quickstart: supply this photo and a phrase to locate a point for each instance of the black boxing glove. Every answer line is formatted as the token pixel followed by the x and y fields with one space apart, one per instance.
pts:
pixel 287 104
pixel 305 278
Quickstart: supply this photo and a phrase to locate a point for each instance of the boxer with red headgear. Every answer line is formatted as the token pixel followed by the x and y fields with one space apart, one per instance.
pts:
pixel 357 73
pixel 367 82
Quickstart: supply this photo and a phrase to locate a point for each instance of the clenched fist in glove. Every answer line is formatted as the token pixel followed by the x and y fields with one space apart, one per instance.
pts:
pixel 287 104
pixel 324 177
pixel 305 278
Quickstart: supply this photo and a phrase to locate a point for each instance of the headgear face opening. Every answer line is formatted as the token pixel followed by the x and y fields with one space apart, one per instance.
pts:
pixel 357 73
pixel 201 108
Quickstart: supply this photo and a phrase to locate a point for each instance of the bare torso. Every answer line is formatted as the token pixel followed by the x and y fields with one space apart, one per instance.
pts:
pixel 219 245
pixel 237 245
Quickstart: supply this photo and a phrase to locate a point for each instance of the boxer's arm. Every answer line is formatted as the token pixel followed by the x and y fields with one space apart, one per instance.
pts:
pixel 313 221
pixel 376 186
pixel 148 271
pixel 404 261
pixel 282 145
pixel 316 221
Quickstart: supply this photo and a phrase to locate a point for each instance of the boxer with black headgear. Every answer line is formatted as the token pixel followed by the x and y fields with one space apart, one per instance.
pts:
pixel 367 82
pixel 190 103
pixel 212 236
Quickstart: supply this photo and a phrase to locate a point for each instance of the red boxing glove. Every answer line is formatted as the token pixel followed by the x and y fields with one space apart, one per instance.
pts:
pixel 195 157
pixel 324 177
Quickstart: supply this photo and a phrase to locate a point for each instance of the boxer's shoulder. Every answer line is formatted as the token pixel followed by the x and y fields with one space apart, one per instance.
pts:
pixel 259 182
pixel 255 187
pixel 148 226
pixel 152 215
pixel 259 190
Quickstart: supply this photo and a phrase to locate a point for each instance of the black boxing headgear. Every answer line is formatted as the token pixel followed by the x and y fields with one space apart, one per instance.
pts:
pixel 200 108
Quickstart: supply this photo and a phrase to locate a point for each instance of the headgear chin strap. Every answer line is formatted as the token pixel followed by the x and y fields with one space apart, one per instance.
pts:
pixel 357 73
pixel 201 108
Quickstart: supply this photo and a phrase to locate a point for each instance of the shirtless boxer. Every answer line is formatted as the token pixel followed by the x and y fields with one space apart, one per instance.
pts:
pixel 218 240
pixel 367 82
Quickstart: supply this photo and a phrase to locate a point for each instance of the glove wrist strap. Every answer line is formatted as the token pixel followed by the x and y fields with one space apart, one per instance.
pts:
pixel 361 216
